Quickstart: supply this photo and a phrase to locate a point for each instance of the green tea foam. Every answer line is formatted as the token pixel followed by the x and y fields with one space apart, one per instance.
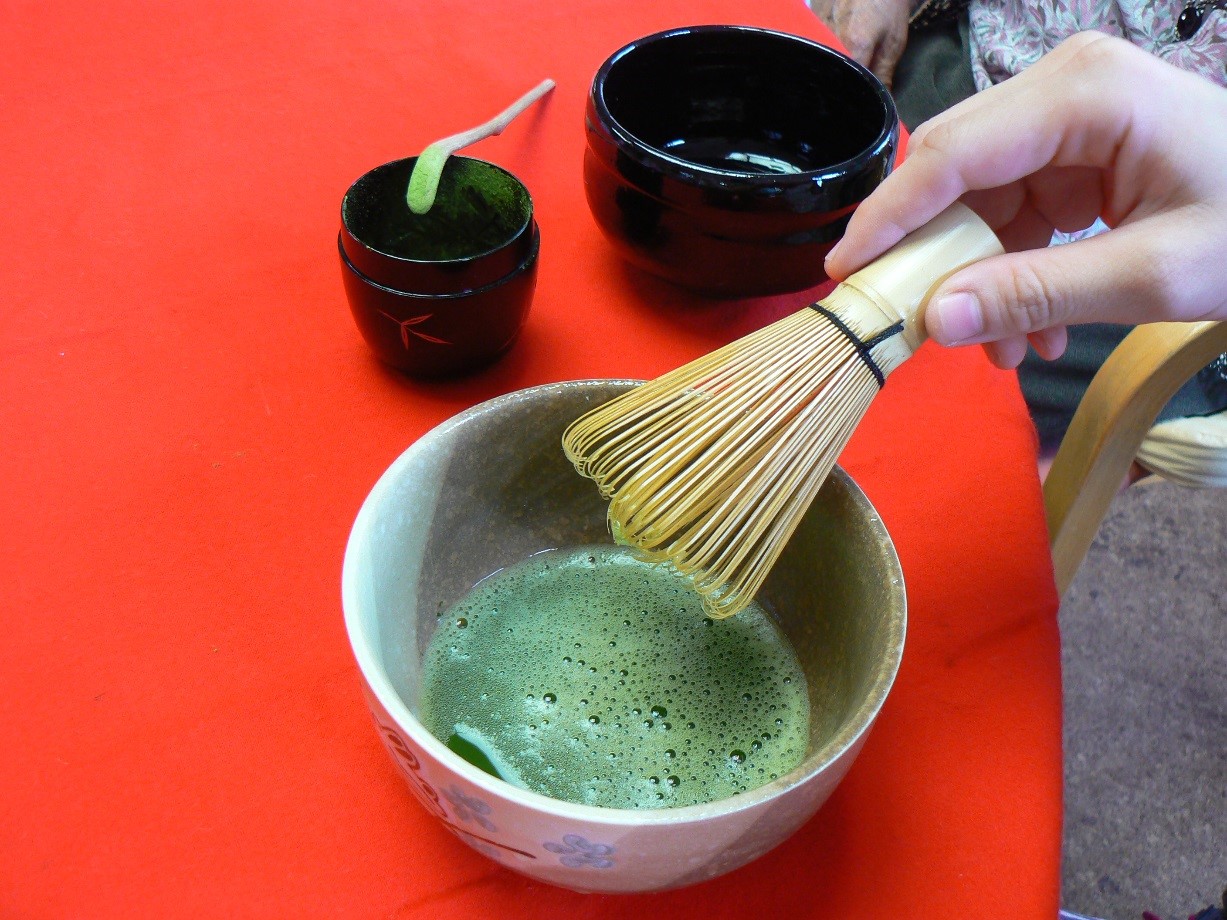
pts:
pixel 591 676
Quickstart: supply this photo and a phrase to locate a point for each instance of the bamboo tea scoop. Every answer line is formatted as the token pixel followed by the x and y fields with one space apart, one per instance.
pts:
pixel 424 181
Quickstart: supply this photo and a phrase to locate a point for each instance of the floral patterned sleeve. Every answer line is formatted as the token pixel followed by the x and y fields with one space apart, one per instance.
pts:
pixel 1007 36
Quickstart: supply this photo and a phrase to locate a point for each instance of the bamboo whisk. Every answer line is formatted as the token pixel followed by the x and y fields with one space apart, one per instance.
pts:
pixel 711 466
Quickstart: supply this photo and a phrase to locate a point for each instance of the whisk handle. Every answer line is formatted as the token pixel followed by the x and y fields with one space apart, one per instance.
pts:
pixel 901 280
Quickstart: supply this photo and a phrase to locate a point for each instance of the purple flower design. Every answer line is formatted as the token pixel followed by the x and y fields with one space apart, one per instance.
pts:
pixel 469 808
pixel 575 852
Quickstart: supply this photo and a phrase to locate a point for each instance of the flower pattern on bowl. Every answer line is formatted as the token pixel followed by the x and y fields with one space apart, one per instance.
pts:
pixel 469 808
pixel 576 852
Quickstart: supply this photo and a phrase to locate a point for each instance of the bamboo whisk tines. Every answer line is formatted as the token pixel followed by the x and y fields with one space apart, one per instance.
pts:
pixel 711 467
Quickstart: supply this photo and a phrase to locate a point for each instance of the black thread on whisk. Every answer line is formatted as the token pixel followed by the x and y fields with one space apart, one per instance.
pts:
pixel 863 348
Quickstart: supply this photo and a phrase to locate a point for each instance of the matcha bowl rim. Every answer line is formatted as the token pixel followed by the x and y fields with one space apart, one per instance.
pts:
pixel 838 751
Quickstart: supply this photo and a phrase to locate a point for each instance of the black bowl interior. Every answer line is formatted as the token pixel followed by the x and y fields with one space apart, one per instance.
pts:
pixel 745 101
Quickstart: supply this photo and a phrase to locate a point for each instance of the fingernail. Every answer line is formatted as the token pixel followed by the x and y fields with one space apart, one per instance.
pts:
pixel 833 251
pixel 954 319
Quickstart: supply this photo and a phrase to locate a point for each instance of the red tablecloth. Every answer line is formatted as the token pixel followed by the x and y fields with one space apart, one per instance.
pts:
pixel 190 422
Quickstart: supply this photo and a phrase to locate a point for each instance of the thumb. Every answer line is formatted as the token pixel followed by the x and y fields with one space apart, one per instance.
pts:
pixel 1108 278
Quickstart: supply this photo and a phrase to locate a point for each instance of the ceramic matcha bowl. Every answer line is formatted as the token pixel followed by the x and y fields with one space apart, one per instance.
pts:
pixel 491 487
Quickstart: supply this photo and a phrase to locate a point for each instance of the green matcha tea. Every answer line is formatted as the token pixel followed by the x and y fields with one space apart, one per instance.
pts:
pixel 591 676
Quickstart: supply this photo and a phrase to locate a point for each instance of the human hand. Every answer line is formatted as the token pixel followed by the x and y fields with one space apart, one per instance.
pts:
pixel 873 31
pixel 1096 128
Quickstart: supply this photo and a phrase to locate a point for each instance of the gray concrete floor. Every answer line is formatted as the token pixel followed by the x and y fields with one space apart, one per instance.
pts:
pixel 1144 638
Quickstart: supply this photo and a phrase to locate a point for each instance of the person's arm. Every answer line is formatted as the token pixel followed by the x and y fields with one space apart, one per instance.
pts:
pixel 1096 128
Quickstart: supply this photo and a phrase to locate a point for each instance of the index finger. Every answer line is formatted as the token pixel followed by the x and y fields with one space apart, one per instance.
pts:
pixel 989 141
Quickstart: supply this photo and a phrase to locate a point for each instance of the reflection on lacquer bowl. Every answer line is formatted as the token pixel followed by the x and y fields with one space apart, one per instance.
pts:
pixel 728 159
pixel 491 487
